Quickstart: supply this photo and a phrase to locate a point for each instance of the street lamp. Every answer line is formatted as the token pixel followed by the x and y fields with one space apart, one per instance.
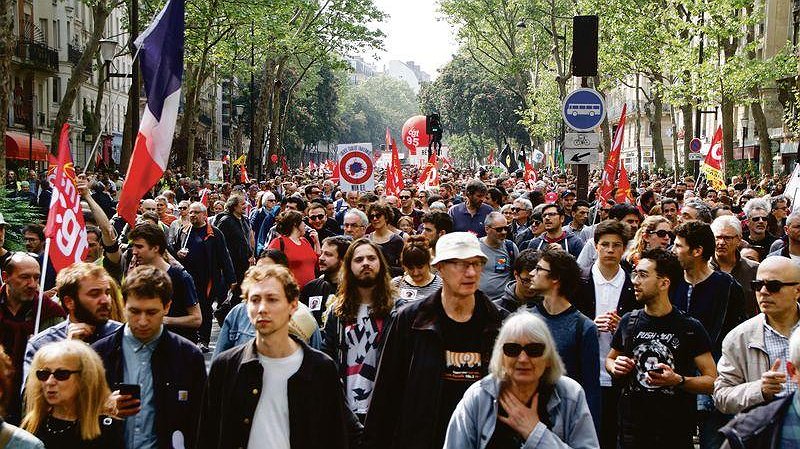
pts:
pixel 108 48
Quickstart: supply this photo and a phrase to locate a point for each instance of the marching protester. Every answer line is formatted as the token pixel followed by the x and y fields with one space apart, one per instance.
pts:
pixel 501 253
pixel 13 436
pixel 301 253
pixel 318 293
pixel 418 281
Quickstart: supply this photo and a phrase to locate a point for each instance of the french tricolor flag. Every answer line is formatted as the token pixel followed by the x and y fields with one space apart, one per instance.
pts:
pixel 160 49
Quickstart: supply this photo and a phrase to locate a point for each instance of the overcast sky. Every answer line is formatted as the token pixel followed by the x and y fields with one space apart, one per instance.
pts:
pixel 413 33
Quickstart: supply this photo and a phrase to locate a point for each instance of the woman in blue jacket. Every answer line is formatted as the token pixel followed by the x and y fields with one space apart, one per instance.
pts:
pixel 526 401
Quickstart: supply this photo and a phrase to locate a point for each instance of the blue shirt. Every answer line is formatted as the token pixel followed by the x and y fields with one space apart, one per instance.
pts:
pixel 463 221
pixel 140 432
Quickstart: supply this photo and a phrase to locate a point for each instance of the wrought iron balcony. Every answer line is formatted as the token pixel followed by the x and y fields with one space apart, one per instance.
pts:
pixel 36 55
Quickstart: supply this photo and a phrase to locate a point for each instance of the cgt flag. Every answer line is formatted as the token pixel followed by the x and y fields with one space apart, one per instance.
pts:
pixel 430 174
pixel 65 228
pixel 161 60
pixel 394 173
pixel 712 165
pixel 611 168
pixel 624 194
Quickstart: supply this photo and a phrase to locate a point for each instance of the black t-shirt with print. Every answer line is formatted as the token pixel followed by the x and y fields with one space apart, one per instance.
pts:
pixel 659 416
pixel 462 364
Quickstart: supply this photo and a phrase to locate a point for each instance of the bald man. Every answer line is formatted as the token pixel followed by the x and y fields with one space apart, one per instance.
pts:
pixel 752 369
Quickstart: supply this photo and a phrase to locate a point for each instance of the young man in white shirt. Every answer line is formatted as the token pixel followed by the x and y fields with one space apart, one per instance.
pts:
pixel 266 394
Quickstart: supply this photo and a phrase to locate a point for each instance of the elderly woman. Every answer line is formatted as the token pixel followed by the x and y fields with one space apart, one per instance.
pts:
pixel 301 253
pixel 65 396
pixel 17 438
pixel 526 401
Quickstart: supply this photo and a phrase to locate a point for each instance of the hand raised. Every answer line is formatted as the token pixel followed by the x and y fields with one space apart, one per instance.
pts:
pixel 521 418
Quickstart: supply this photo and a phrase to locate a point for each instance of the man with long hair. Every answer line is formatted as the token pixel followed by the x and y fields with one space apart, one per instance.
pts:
pixel 357 319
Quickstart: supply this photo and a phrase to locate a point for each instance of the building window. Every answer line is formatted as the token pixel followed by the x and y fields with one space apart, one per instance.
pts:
pixel 57 34
pixel 44 28
pixel 56 89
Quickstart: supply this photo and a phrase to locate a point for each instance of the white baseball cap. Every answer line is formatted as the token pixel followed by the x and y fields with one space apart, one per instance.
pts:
pixel 457 245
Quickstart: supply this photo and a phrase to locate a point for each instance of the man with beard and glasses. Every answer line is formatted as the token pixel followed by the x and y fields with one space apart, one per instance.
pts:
pixel 354 328
pixel 85 291
pixel 316 293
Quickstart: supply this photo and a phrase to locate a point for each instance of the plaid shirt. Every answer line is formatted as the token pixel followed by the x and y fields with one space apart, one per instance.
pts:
pixel 790 431
pixel 777 346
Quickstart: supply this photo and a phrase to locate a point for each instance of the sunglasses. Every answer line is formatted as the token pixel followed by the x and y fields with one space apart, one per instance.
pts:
pixel 375 216
pixel 531 349
pixel 60 374
pixel 500 228
pixel 757 219
pixel 773 286
pixel 404 197
pixel 316 217
pixel 661 233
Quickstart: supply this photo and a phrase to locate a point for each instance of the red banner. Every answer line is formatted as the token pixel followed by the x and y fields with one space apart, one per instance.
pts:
pixel 612 164
pixel 624 194
pixel 65 226
pixel 430 174
pixel 394 172
pixel 530 173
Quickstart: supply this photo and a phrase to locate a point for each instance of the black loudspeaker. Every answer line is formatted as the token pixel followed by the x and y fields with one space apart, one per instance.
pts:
pixel 584 45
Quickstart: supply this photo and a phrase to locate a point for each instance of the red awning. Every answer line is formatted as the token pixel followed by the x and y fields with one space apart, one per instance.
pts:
pixel 18 147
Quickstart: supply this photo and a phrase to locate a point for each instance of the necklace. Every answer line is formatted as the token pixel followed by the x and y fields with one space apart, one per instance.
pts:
pixel 57 426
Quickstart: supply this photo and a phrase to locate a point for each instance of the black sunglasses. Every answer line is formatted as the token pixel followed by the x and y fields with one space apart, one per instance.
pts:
pixel 661 233
pixel 60 374
pixel 773 286
pixel 404 197
pixel 531 349
pixel 375 216
pixel 316 217
pixel 501 228
pixel 757 219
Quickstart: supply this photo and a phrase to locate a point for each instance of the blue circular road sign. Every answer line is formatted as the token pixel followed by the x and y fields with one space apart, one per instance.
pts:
pixel 583 109
pixel 696 145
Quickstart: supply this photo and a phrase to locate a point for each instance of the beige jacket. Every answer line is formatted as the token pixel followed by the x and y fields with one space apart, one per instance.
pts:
pixel 744 359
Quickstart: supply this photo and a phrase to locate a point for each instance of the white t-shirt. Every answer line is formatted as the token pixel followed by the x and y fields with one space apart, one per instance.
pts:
pixel 606 294
pixel 270 429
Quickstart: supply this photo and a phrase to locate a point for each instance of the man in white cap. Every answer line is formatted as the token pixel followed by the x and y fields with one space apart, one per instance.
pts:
pixel 435 349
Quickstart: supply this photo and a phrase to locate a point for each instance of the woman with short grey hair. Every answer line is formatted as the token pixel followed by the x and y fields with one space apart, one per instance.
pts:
pixel 526 401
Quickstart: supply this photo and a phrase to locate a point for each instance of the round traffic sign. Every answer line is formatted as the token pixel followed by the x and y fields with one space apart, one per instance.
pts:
pixel 583 109
pixel 356 167
pixel 695 145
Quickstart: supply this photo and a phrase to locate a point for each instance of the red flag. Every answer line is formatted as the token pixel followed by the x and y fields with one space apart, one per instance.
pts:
pixel 335 173
pixel 490 159
pixel 623 187
pixel 530 173
pixel 714 156
pixel 329 164
pixel 284 167
pixel 612 164
pixel 204 198
pixel 65 226
pixel 430 175
pixel 243 178
pixel 394 173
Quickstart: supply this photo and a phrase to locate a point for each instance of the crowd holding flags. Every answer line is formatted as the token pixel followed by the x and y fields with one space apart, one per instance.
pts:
pixel 160 52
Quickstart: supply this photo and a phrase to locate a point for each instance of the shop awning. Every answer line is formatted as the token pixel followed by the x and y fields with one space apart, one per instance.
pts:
pixel 18 147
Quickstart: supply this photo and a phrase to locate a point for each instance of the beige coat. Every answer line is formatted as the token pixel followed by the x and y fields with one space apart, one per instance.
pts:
pixel 744 359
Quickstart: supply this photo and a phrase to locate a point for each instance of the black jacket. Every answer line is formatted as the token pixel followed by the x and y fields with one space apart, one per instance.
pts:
pixel 218 259
pixel 586 300
pixel 318 413
pixel 758 427
pixel 179 372
pixel 237 237
pixel 404 406
pixel 320 289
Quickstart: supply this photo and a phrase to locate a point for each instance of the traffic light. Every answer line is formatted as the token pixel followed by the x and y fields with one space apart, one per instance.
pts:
pixel 433 128
pixel 584 45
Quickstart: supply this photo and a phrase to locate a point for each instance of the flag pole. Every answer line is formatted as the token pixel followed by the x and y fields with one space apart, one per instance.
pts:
pixel 41 286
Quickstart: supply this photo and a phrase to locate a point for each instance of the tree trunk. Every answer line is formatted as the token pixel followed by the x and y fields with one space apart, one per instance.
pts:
pixel 6 50
pixel 261 119
pixel 98 100
pixel 128 133
pixel 674 121
pixel 275 112
pixel 655 130
pixel 727 132
pixel 764 146
pixel 80 73
pixel 688 132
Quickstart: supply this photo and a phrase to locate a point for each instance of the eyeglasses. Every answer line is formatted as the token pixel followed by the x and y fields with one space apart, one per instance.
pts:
pixel 661 233
pixel 515 209
pixel 316 192
pixel 727 238
pixel 60 374
pixel 541 268
pixel 550 214
pixel 375 216
pixel 182 208
pixel 531 349
pixel 352 225
pixel 500 229
pixel 404 197
pixel 773 286
pixel 758 219
pixel 463 265
pixel 316 217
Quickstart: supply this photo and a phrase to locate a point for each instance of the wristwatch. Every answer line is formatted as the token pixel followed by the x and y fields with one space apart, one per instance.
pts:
pixel 683 380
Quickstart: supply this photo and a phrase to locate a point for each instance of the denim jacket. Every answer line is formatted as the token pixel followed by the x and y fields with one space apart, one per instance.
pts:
pixel 237 330
pixel 473 421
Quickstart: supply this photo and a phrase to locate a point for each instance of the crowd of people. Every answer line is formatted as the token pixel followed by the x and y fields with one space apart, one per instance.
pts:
pixel 484 313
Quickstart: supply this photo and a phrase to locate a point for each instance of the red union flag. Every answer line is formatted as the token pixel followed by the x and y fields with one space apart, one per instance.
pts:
pixel 624 194
pixel 430 174
pixel 394 173
pixel 712 165
pixel 65 226
pixel 612 164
